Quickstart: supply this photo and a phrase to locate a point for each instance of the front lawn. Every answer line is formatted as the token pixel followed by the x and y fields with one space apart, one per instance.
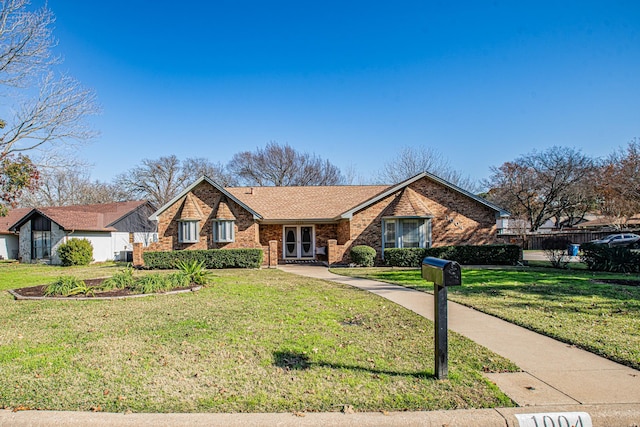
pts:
pixel 16 275
pixel 567 305
pixel 253 341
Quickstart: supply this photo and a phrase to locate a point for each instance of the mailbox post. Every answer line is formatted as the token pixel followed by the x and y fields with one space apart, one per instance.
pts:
pixel 443 274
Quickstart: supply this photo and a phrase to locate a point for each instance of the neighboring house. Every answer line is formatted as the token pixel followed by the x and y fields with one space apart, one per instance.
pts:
pixel 112 228
pixel 9 239
pixel 604 223
pixel 323 223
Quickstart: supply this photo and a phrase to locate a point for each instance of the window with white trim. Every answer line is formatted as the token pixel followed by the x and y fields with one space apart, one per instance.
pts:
pixel 188 231
pixel 223 231
pixel 406 233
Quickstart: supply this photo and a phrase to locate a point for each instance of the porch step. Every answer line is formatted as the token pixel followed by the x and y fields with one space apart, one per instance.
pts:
pixel 303 261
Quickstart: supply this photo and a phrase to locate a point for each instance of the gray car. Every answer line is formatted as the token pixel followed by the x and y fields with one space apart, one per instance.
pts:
pixel 622 239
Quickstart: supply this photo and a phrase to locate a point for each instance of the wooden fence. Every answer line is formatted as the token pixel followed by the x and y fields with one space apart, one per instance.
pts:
pixel 534 241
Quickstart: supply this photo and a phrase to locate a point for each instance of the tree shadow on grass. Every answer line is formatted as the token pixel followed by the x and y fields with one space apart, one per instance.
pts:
pixel 290 360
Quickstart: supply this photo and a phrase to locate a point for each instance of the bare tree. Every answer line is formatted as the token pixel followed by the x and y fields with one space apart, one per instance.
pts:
pixel 64 187
pixel 543 185
pixel 281 165
pixel 618 183
pixel 157 181
pixel 42 110
pixel 197 167
pixel 411 161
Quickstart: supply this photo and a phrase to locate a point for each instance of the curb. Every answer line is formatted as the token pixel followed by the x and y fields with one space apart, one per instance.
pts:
pixel 600 415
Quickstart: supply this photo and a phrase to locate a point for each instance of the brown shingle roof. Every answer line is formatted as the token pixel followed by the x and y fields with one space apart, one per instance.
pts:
pixel 12 217
pixel 190 209
pixel 96 217
pixel 223 211
pixel 304 203
pixel 408 203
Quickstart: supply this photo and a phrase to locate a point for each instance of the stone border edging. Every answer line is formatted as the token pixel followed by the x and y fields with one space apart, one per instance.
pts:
pixel 17 296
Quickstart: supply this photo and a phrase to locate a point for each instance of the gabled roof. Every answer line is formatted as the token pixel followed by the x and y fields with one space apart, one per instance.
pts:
pixel 12 216
pixel 183 193
pixel 323 203
pixel 305 203
pixel 94 217
pixel 395 188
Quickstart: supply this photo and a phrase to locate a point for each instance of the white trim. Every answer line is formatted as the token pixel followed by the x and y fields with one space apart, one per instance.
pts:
pixel 231 229
pixel 349 214
pixel 298 231
pixel 195 238
pixel 154 216
pixel 424 231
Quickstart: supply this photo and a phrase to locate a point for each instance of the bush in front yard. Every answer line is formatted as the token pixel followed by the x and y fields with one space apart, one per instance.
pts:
pixel 616 260
pixel 363 256
pixel 555 249
pixel 212 258
pixel 467 254
pixel 76 252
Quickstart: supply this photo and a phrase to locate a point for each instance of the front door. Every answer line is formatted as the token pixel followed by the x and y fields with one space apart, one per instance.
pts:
pixel 298 242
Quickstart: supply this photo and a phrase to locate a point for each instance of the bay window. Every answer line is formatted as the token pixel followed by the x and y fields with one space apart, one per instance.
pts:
pixel 406 233
pixel 223 231
pixel 188 231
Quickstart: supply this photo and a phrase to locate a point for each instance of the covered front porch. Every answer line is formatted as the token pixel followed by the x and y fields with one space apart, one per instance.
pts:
pixel 303 242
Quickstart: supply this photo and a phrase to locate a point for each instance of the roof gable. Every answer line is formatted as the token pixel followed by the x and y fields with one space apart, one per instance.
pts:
pixel 183 193
pixel 94 217
pixel 190 208
pixel 13 216
pixel 408 203
pixel 395 188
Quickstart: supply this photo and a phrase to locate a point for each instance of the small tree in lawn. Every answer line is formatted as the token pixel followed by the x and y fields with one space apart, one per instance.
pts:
pixel 555 249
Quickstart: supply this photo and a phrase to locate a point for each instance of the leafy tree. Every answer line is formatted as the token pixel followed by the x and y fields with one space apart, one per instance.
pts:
pixel 281 165
pixel 542 185
pixel 42 109
pixel 17 173
pixel 411 161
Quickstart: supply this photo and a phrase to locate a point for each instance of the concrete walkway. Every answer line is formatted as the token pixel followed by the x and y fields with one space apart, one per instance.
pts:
pixel 555 378
pixel 554 373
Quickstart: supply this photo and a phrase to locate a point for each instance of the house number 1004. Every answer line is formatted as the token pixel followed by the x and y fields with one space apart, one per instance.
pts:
pixel 555 419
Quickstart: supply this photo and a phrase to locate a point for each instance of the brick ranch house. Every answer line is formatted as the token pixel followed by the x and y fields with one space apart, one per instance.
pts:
pixel 323 222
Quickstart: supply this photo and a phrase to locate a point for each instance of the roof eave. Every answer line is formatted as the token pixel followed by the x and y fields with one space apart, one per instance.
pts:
pixel 154 216
pixel 499 211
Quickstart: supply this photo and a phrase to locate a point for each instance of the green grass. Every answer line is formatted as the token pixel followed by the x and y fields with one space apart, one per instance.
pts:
pixel 15 275
pixel 566 305
pixel 252 341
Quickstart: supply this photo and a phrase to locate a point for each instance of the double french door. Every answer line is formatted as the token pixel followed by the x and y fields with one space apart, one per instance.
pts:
pixel 298 242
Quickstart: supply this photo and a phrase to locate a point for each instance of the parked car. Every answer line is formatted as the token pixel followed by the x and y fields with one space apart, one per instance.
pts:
pixel 626 239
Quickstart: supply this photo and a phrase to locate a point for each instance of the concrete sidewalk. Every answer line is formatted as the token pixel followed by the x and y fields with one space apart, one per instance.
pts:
pixel 554 373
pixel 555 378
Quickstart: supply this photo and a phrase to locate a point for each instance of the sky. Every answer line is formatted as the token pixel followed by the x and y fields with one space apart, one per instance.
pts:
pixel 482 82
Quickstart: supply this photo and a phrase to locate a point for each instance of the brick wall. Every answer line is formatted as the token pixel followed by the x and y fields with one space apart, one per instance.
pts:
pixel 457 220
pixel 207 198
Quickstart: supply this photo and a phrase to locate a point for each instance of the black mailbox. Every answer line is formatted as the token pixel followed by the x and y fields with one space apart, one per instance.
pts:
pixel 441 272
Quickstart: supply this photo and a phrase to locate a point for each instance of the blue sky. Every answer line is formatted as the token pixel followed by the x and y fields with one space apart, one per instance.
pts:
pixel 352 81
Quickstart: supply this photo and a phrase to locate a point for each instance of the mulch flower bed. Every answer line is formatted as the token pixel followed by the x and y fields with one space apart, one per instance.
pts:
pixel 37 292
